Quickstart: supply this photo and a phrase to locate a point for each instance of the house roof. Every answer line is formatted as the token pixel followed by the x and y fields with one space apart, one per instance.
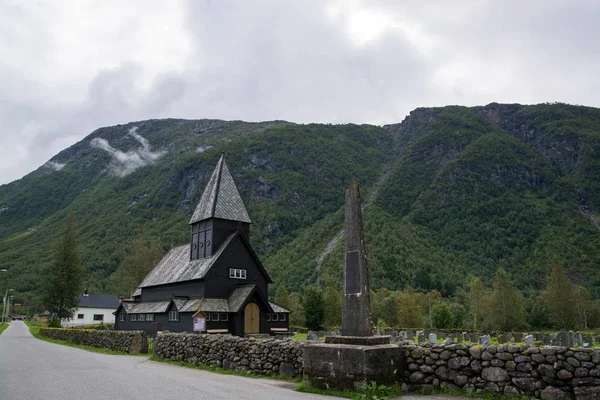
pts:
pixel 239 296
pixel 221 198
pixel 147 307
pixel 279 309
pixel 177 267
pixel 98 301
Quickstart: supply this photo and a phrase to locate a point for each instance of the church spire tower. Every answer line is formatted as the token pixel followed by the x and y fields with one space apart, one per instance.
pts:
pixel 220 212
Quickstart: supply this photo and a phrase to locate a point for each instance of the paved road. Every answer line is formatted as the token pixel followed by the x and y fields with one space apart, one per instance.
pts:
pixel 32 369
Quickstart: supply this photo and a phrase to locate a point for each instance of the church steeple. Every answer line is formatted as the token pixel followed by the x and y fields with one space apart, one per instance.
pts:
pixel 221 198
pixel 220 212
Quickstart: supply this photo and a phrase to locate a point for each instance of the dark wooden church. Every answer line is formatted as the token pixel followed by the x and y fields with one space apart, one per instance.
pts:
pixel 214 284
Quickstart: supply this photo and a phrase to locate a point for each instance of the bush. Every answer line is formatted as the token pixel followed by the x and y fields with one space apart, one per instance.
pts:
pixel 54 323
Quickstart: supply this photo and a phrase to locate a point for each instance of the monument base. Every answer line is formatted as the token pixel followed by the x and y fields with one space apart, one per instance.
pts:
pixel 351 367
pixel 358 340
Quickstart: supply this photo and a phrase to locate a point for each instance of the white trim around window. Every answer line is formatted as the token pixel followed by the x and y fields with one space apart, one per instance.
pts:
pixel 173 315
pixel 237 273
pixel 122 317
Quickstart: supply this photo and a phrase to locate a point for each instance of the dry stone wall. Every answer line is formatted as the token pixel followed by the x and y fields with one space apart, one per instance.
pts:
pixel 259 356
pixel 548 372
pixel 131 342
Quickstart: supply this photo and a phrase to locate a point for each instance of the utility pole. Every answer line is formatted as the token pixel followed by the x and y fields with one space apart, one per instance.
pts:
pixel 4 298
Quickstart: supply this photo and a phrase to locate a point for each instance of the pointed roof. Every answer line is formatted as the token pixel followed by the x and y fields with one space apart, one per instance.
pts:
pixel 221 198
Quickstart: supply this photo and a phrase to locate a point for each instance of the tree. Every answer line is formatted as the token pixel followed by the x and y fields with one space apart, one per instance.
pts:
pixel 477 295
pixel 297 315
pixel 140 260
pixel 560 297
pixel 506 311
pixel 314 310
pixel 441 315
pixel 583 303
pixel 410 311
pixel 332 307
pixel 282 297
pixel 64 277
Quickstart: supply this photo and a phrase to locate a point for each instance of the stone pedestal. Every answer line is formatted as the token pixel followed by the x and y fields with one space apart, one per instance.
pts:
pixel 351 366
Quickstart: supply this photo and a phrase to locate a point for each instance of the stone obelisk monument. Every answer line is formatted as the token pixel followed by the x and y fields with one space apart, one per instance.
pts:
pixel 356 307
pixel 356 357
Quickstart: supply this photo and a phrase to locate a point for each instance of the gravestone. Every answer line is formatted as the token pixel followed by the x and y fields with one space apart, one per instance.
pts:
pixel 432 338
pixel 529 340
pixel 421 337
pixel 540 337
pixel 312 336
pixel 546 340
pixel 518 337
pixel 394 335
pixel 411 334
pixel 378 331
pixel 572 340
pixel 484 340
pixel 563 338
pixel 555 339
pixel 404 335
pixel 356 357
pixel 579 338
pixel 502 339
pixel 474 338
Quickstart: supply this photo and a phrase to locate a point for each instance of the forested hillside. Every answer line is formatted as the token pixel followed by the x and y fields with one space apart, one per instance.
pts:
pixel 453 193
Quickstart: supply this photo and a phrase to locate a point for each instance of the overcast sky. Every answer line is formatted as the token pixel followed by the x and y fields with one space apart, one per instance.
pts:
pixel 68 67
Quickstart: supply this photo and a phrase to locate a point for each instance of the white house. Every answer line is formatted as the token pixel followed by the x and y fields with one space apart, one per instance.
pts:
pixel 93 309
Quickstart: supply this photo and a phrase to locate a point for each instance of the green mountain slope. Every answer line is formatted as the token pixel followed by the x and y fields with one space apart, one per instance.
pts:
pixel 457 192
pixel 476 189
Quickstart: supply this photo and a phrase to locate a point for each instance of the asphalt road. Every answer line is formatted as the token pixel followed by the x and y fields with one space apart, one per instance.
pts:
pixel 32 369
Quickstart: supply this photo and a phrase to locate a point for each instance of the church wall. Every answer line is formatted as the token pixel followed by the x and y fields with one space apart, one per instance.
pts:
pixel 218 282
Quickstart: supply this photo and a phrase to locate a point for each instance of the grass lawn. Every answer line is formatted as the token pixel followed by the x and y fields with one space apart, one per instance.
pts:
pixel 3 327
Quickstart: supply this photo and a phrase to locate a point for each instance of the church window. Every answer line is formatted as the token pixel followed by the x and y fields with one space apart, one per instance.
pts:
pixel 173 316
pixel 237 273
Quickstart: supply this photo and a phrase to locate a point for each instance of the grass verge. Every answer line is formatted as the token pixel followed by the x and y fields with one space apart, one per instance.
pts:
pixel 371 392
pixel 35 331
pixel 219 370
pixel 462 393
pixel 3 327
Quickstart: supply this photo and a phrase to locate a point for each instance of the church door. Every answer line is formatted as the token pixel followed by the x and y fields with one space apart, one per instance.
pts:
pixel 251 319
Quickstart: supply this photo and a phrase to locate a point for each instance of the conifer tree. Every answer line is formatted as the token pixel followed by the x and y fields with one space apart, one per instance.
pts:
pixel 314 310
pixel 441 315
pixel 282 296
pixel 141 259
pixel 560 297
pixel 64 277
pixel 506 311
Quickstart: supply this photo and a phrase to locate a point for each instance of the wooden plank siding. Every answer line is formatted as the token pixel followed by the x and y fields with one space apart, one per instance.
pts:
pixel 218 283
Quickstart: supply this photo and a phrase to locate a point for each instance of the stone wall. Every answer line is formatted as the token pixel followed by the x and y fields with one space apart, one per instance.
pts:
pixel 546 372
pixel 131 342
pixel 259 356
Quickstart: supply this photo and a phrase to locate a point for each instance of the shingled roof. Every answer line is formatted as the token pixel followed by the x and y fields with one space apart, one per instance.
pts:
pixel 177 267
pixel 221 198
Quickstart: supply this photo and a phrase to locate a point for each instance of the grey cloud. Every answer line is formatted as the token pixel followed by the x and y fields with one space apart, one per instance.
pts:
pixel 262 60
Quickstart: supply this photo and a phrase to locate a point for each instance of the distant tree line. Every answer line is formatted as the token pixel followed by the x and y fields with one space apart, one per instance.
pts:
pixel 561 305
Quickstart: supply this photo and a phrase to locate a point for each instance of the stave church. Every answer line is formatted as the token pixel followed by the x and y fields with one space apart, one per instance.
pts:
pixel 215 283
